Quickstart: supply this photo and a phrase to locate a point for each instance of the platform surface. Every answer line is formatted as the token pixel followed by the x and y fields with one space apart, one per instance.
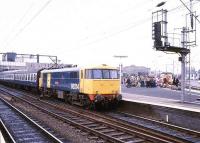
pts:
pixel 164 102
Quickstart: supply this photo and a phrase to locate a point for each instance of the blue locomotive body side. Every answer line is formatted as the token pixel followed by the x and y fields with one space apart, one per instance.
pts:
pixel 61 80
pixel 65 84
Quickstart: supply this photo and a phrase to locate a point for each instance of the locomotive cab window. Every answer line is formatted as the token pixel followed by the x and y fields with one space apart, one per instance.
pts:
pixel 97 74
pixel 101 74
pixel 114 74
pixel 106 74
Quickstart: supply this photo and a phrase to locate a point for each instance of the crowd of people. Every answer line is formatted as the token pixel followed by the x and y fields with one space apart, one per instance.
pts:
pixel 150 81
pixel 140 81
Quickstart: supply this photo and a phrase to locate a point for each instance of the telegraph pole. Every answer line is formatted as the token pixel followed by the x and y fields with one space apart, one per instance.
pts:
pixel 120 69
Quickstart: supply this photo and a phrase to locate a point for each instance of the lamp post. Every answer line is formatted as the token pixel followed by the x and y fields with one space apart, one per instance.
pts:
pixel 120 69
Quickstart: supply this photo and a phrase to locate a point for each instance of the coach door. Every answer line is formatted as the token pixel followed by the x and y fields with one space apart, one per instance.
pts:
pixel 48 80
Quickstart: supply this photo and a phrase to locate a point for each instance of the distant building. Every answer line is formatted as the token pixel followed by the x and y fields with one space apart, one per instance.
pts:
pixel 10 57
pixel 193 74
pixel 136 70
pixel 198 74
pixel 10 61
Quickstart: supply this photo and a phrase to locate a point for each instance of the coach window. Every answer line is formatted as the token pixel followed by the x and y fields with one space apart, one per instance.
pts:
pixel 31 77
pixel 35 77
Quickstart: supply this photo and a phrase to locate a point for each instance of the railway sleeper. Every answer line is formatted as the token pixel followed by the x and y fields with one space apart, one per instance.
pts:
pixel 107 131
pixel 87 123
pixel 93 137
pixel 100 128
pixel 136 141
pixel 116 134
pixel 125 137
pixel 75 118
pixel 92 125
pixel 80 120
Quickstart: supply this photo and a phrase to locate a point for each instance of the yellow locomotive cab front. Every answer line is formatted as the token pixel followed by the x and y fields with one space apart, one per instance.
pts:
pixel 101 86
pixel 100 83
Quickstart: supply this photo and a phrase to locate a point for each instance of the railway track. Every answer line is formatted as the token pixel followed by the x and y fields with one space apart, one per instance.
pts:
pixel 17 127
pixel 155 128
pixel 106 131
pixel 107 128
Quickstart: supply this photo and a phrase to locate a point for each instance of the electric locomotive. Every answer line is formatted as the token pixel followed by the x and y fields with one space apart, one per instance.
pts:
pixel 88 87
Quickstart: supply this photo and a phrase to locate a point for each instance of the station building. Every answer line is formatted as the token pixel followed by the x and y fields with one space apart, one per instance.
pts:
pixel 10 61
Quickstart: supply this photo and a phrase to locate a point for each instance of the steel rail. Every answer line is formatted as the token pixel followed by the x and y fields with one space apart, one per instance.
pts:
pixel 48 134
pixel 189 131
pixel 133 126
pixel 127 125
pixel 6 134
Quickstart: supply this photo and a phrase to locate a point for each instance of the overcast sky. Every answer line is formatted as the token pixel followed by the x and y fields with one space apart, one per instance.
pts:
pixel 88 32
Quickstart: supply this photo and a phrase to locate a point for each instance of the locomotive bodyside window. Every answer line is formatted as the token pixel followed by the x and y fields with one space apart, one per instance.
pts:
pixel 73 74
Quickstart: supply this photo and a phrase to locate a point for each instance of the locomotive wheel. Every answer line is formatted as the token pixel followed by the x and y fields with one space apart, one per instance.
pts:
pixel 84 100
pixel 69 99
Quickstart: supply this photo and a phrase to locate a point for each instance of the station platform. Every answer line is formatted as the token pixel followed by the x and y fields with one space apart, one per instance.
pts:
pixel 174 112
pixel 162 102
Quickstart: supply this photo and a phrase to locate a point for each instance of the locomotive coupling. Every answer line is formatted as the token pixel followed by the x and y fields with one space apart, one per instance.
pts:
pixel 119 97
pixel 99 98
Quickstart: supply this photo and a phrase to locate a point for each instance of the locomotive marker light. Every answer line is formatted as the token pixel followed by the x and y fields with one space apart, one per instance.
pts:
pixel 120 70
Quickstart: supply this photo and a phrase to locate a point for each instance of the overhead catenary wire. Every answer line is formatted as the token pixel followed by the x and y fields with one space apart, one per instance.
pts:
pixel 17 24
pixel 189 10
pixel 30 21
pixel 130 26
